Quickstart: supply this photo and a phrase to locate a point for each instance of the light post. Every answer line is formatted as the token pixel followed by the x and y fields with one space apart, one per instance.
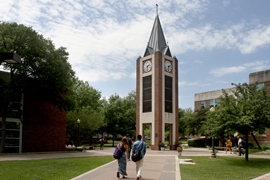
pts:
pixel 78 122
pixel 213 155
pixel 9 58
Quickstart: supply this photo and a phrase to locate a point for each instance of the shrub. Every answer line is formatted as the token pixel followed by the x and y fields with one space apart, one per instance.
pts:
pixel 196 142
pixel 200 142
pixel 265 147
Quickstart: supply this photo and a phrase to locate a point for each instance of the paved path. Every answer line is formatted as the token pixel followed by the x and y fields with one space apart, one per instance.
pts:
pixel 158 165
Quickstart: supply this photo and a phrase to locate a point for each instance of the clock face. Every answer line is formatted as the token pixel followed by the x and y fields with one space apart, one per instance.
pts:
pixel 147 66
pixel 168 66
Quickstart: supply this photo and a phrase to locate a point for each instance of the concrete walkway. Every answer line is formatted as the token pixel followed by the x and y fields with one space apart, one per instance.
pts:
pixel 158 165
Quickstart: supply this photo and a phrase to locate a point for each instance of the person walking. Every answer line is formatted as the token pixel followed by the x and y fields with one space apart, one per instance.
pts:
pixel 129 147
pixel 122 161
pixel 240 145
pixel 101 141
pixel 139 145
pixel 228 144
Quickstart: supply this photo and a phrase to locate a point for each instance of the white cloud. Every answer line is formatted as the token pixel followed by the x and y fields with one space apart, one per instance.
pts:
pixel 254 66
pixel 104 38
pixel 184 83
pixel 227 70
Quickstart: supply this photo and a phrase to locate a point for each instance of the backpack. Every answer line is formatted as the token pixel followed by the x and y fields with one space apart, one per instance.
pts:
pixel 243 142
pixel 117 152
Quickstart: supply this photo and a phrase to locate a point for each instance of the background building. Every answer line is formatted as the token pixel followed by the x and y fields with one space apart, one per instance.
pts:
pixel 211 98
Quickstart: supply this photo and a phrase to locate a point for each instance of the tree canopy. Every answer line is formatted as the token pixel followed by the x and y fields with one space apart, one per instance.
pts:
pixel 120 117
pixel 245 112
pixel 44 67
pixel 88 108
pixel 44 70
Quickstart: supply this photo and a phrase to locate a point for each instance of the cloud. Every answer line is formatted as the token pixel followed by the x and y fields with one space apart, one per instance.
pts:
pixel 184 83
pixel 254 39
pixel 104 38
pixel 256 66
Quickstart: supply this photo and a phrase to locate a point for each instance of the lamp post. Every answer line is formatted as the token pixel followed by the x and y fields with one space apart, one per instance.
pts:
pixel 78 122
pixel 9 58
pixel 213 155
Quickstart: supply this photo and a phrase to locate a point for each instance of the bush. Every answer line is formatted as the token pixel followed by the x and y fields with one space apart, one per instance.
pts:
pixel 265 147
pixel 200 142
pixel 196 142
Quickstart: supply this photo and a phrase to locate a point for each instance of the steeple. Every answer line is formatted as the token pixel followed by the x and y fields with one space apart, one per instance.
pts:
pixel 157 40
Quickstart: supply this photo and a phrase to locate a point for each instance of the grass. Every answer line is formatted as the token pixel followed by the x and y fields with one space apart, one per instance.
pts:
pixel 224 168
pixel 58 169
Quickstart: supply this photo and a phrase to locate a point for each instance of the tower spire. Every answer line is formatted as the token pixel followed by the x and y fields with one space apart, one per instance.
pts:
pixel 157 40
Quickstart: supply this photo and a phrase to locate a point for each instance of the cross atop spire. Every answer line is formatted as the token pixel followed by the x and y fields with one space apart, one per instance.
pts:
pixel 157 40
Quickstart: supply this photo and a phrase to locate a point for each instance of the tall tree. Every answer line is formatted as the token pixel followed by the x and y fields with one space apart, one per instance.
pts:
pixel 113 116
pixel 129 116
pixel 44 68
pixel 186 122
pixel 247 111
pixel 120 115
pixel 88 108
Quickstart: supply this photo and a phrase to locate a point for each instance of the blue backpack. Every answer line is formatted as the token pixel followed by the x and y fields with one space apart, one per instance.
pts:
pixel 243 142
pixel 117 152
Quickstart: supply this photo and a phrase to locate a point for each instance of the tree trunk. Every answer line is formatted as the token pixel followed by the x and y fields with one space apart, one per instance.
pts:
pixel 246 146
pixel 113 141
pixel 3 135
pixel 256 141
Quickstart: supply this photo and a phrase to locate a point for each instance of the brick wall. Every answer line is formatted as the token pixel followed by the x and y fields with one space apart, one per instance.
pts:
pixel 44 126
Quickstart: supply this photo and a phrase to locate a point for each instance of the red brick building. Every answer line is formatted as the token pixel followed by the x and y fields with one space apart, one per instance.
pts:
pixel 39 127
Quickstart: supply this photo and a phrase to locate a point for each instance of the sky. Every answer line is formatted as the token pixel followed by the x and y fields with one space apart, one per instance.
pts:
pixel 216 42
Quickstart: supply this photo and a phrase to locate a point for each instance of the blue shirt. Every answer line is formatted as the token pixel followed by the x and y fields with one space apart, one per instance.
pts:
pixel 139 145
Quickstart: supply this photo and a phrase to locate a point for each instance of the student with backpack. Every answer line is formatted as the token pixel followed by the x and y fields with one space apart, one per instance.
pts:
pixel 121 158
pixel 240 145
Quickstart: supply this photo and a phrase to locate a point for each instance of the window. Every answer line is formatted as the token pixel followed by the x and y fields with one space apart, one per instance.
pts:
pixel 147 94
pixel 168 94
pixel 212 103
pixel 260 85
pixel 217 101
pixel 202 104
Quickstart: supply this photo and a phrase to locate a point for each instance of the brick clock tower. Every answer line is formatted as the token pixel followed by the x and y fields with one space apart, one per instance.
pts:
pixel 157 90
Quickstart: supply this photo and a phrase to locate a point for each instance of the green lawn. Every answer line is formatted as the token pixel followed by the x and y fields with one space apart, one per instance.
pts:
pixel 58 169
pixel 230 168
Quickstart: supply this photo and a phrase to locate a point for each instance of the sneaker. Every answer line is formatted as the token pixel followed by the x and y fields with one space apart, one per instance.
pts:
pixel 117 175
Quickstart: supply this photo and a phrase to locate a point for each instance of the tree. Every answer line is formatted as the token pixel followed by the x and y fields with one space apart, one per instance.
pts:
pixel 199 119
pixel 88 108
pixel 120 115
pixel 246 111
pixel 114 116
pixel 130 113
pixel 181 123
pixel 44 68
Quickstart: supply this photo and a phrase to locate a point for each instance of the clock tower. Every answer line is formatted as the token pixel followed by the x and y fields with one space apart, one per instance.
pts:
pixel 157 90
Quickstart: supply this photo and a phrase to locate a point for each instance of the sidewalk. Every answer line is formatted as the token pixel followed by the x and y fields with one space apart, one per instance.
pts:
pixel 158 165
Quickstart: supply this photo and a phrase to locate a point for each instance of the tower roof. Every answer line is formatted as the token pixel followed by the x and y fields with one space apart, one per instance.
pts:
pixel 157 40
